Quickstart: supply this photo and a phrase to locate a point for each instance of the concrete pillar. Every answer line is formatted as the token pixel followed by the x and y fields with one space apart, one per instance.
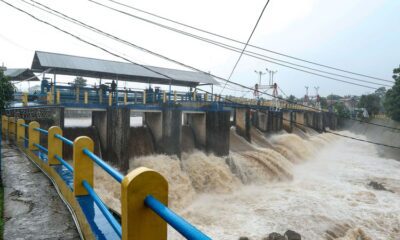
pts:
pixel 289 120
pixel 197 121
pixel 261 120
pixel 300 120
pixel 171 132
pixel 118 133
pixel 153 121
pixel 217 132
pixel 274 121
pixel 243 123
pixel 99 121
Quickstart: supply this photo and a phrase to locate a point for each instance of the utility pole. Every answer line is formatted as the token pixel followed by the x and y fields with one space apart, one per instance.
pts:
pixel 260 73
pixel 271 76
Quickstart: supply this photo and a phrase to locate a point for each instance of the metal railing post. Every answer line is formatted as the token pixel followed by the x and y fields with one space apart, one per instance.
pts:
pixel 109 99
pixel 58 97
pixel 54 145
pixel 33 135
pixel 174 96
pixel 137 220
pixel 86 97
pixel 20 132
pixel 77 95
pixel 100 96
pixel 144 97
pixel 164 97
pixel 125 98
pixel 82 165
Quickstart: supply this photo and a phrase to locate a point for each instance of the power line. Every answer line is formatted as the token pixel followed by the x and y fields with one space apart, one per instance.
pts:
pixel 145 67
pixel 246 52
pixel 244 48
pixel 75 21
pixel 240 42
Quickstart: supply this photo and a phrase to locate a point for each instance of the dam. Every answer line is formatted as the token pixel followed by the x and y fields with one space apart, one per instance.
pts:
pixel 197 165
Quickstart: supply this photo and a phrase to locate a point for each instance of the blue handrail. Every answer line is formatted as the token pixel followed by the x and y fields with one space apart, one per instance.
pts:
pixel 65 140
pixel 178 223
pixel 41 148
pixel 114 173
pixel 41 130
pixel 103 208
pixel 65 163
pixel 24 125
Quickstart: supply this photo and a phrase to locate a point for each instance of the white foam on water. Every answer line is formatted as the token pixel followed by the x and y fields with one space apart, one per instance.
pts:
pixel 328 190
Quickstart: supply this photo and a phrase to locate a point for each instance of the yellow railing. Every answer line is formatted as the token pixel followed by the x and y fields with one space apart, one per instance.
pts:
pixel 139 188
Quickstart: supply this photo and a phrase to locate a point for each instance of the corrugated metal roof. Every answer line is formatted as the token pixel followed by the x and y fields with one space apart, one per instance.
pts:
pixel 20 74
pixel 98 68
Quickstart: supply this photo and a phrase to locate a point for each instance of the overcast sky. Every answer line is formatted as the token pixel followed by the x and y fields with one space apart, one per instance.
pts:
pixel 357 35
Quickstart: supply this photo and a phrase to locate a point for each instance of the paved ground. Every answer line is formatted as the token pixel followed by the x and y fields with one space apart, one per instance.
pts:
pixel 32 207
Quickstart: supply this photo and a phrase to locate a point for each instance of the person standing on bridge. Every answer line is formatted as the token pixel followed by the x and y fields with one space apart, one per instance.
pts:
pixel 113 89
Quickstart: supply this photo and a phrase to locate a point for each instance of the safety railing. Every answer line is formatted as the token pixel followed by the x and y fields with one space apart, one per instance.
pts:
pixel 144 192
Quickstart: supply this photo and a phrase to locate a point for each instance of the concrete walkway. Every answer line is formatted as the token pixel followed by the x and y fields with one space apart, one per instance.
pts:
pixel 32 207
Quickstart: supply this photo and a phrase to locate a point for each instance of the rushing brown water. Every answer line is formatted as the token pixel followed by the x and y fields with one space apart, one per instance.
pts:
pixel 315 184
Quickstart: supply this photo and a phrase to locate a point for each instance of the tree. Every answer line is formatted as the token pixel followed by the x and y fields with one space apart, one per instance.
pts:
pixel 324 102
pixel 371 102
pixel 341 110
pixel 392 97
pixel 291 98
pixel 6 90
pixel 80 82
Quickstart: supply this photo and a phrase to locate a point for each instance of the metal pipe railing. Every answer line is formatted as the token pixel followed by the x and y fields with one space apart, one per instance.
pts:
pixel 65 163
pixel 65 140
pixel 41 130
pixel 103 208
pixel 177 222
pixel 41 148
pixel 25 125
pixel 114 173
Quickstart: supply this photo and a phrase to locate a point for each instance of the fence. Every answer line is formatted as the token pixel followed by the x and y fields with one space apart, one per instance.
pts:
pixel 144 192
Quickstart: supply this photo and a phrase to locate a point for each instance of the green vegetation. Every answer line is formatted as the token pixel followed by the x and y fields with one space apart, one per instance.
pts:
pixel 80 82
pixel 371 102
pixel 6 90
pixel 341 110
pixel 392 97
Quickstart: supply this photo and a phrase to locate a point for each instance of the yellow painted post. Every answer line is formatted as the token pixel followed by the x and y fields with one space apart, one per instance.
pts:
pixel 109 99
pixel 25 99
pixel 4 126
pixel 77 94
pixel 11 128
pixel 194 95
pixel 82 164
pixel 20 131
pixel 206 97
pixel 58 97
pixel 164 97
pixel 54 145
pixel 100 96
pixel 50 97
pixel 86 97
pixel 174 96
pixel 137 220
pixel 33 135
pixel 125 98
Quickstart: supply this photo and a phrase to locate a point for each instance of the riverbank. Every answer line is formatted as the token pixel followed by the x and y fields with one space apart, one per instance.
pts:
pixel 378 134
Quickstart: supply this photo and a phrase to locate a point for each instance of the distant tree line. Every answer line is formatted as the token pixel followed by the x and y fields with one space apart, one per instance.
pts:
pixel 6 90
